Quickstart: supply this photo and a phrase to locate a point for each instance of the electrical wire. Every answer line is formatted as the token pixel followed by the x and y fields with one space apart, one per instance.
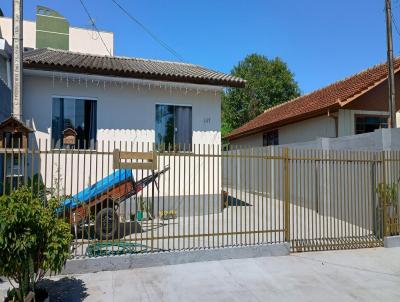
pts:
pixel 94 25
pixel 149 32
pixel 396 27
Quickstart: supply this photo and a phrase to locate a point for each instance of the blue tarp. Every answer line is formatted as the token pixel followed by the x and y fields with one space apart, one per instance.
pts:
pixel 99 187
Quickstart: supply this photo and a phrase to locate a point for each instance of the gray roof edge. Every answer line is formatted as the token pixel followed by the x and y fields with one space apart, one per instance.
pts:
pixel 32 58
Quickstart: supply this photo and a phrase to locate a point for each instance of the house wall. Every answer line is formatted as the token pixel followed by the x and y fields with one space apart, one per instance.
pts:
pixel 80 39
pixel 5 84
pixel 125 120
pixel 322 126
pixel 124 113
pixel 249 140
pixel 4 70
pixel 5 101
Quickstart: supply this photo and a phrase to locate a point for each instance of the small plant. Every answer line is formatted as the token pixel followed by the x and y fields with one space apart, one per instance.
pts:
pixel 33 240
pixel 167 214
pixel 388 204
pixel 387 194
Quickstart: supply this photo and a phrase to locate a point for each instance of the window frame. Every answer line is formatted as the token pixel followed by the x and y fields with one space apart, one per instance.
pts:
pixel 155 130
pixel 51 119
pixel 276 130
pixel 369 115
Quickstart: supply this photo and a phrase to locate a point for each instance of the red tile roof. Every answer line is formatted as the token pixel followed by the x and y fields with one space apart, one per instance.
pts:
pixel 317 102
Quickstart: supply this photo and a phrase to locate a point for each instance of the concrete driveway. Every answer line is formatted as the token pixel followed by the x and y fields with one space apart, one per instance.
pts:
pixel 356 275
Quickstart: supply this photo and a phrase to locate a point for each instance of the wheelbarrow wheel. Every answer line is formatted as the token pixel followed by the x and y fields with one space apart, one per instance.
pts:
pixel 106 224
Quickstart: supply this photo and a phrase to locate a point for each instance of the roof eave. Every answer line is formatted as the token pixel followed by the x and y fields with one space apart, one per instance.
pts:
pixel 137 75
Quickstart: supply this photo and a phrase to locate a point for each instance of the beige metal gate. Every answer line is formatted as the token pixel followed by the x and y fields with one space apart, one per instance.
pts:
pixel 213 197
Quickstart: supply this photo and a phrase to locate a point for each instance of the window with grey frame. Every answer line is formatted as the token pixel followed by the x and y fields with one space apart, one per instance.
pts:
pixel 77 114
pixel 173 127
pixel 271 138
pixel 370 123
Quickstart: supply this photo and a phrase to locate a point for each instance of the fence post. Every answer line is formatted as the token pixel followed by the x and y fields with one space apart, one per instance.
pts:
pixel 286 194
pixel 384 201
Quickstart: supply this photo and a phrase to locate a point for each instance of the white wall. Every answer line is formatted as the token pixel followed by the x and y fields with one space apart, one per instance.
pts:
pixel 80 39
pixel 123 112
pixel 250 140
pixel 29 31
pixel 307 130
pixel 322 126
pixel 88 41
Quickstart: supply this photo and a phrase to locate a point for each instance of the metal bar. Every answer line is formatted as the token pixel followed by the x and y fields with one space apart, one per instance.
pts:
pixel 287 196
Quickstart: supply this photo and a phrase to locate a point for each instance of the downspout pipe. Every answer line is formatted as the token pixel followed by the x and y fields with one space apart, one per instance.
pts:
pixel 335 118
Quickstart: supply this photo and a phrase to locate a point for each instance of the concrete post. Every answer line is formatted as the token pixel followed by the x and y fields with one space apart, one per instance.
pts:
pixel 18 48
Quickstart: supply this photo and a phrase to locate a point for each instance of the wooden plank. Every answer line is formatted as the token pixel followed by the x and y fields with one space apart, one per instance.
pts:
pixel 116 159
pixel 121 160
pixel 138 166
pixel 136 155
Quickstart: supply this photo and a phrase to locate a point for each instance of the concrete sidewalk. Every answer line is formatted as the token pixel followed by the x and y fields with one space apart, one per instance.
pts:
pixel 356 275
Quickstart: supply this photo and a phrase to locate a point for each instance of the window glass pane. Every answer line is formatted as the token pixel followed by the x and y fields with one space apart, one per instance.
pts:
pixel 69 113
pixel 77 114
pixel 57 122
pixel 365 124
pixel 271 138
pixel 82 139
pixel 183 127
pixel 90 122
pixel 165 125
pixel 174 127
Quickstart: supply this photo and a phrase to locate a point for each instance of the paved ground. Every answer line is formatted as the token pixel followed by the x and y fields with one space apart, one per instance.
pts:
pixel 262 221
pixel 357 275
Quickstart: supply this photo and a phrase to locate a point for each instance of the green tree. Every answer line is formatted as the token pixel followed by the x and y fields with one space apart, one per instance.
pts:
pixel 269 83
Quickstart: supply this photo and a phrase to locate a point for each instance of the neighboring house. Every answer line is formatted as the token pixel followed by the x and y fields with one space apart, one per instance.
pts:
pixel 52 30
pixel 355 105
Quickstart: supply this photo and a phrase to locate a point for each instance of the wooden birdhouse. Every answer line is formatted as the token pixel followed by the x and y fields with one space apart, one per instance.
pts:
pixel 69 137
pixel 14 134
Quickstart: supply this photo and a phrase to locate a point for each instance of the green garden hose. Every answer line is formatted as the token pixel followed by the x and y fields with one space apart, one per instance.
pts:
pixel 116 248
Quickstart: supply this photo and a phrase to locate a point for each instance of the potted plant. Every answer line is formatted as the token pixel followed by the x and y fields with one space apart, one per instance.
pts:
pixel 33 242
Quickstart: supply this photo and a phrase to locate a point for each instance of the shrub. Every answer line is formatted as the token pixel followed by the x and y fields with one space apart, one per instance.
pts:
pixel 388 206
pixel 33 240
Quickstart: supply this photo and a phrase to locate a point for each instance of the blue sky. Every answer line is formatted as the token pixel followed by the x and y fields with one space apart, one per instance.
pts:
pixel 322 41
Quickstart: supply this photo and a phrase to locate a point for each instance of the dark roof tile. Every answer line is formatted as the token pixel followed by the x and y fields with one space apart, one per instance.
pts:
pixel 60 60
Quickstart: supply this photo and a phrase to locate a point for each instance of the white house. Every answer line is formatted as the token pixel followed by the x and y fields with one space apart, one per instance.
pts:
pixel 119 103
pixel 122 99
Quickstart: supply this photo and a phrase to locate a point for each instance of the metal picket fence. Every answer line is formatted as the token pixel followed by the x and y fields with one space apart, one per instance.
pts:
pixel 129 197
